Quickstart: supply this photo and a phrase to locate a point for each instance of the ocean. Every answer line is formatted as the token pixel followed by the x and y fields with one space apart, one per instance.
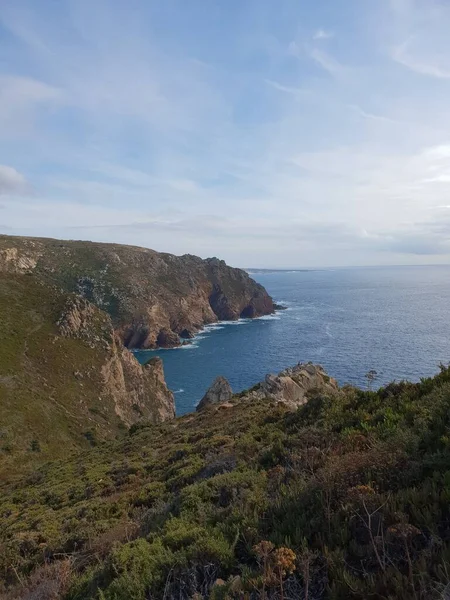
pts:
pixel 395 320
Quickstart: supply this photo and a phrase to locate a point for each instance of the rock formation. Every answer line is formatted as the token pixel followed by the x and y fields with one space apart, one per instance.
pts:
pixel 12 260
pixel 291 387
pixel 152 298
pixel 220 391
pixel 137 392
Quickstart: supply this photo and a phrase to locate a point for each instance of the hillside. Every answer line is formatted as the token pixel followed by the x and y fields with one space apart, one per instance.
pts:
pixel 69 310
pixel 65 380
pixel 151 297
pixel 344 496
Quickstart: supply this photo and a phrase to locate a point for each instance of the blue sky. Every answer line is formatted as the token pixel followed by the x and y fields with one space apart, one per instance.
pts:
pixel 289 133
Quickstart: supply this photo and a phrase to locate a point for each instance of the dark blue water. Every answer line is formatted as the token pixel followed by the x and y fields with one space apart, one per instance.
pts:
pixel 395 320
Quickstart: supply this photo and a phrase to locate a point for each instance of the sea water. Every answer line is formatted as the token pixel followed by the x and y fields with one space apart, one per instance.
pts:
pixel 395 320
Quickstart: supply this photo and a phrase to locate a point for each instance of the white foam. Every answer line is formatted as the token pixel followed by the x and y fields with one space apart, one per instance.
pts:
pixel 238 322
pixel 212 327
pixel 269 318
pixel 180 391
pixel 187 347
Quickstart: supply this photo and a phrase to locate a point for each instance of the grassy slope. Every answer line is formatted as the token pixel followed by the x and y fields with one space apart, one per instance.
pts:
pixel 175 506
pixel 45 409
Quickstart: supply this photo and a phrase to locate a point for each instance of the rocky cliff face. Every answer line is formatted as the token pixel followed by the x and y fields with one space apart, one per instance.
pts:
pixel 291 387
pixel 66 380
pixel 137 392
pixel 152 298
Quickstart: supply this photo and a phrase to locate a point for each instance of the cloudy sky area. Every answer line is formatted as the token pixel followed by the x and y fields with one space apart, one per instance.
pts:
pixel 291 133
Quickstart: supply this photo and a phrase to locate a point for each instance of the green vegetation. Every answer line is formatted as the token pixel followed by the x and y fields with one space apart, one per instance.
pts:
pixel 50 385
pixel 346 498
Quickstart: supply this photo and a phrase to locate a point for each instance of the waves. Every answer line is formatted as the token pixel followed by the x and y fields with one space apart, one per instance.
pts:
pixel 212 327
pixel 188 346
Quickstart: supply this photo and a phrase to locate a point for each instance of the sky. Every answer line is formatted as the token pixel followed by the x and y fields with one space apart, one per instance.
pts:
pixel 295 133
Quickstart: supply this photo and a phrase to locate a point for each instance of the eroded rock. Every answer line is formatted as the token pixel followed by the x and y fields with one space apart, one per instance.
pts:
pixel 137 392
pixel 220 391
pixel 292 386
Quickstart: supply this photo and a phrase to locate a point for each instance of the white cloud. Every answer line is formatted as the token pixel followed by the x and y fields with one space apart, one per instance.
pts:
pixel 420 36
pixel 21 99
pixel 11 181
pixel 322 34
pixel 402 55
pixel 369 115
pixel 326 61
pixel 286 88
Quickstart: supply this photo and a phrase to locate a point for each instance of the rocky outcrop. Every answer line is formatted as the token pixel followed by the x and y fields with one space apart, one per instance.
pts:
pixel 12 260
pixel 167 339
pixel 220 391
pixel 291 387
pixel 152 298
pixel 82 320
pixel 136 392
pixel 234 294
pixel 139 392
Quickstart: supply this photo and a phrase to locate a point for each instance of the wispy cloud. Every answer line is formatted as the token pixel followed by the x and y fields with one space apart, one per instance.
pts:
pixel 286 88
pixel 402 55
pixel 371 116
pixel 421 32
pixel 20 100
pixel 322 34
pixel 11 181
pixel 326 61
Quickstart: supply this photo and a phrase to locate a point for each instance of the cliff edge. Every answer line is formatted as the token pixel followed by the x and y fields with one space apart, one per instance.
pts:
pixel 153 298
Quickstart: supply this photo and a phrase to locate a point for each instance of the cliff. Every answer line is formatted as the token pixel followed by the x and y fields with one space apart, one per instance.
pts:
pixel 66 381
pixel 152 298
pixel 137 392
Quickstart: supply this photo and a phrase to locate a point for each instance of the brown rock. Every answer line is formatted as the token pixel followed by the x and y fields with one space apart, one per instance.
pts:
pixel 167 339
pixel 137 392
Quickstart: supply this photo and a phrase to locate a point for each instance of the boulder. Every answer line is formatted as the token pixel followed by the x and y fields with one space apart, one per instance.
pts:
pixel 220 391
